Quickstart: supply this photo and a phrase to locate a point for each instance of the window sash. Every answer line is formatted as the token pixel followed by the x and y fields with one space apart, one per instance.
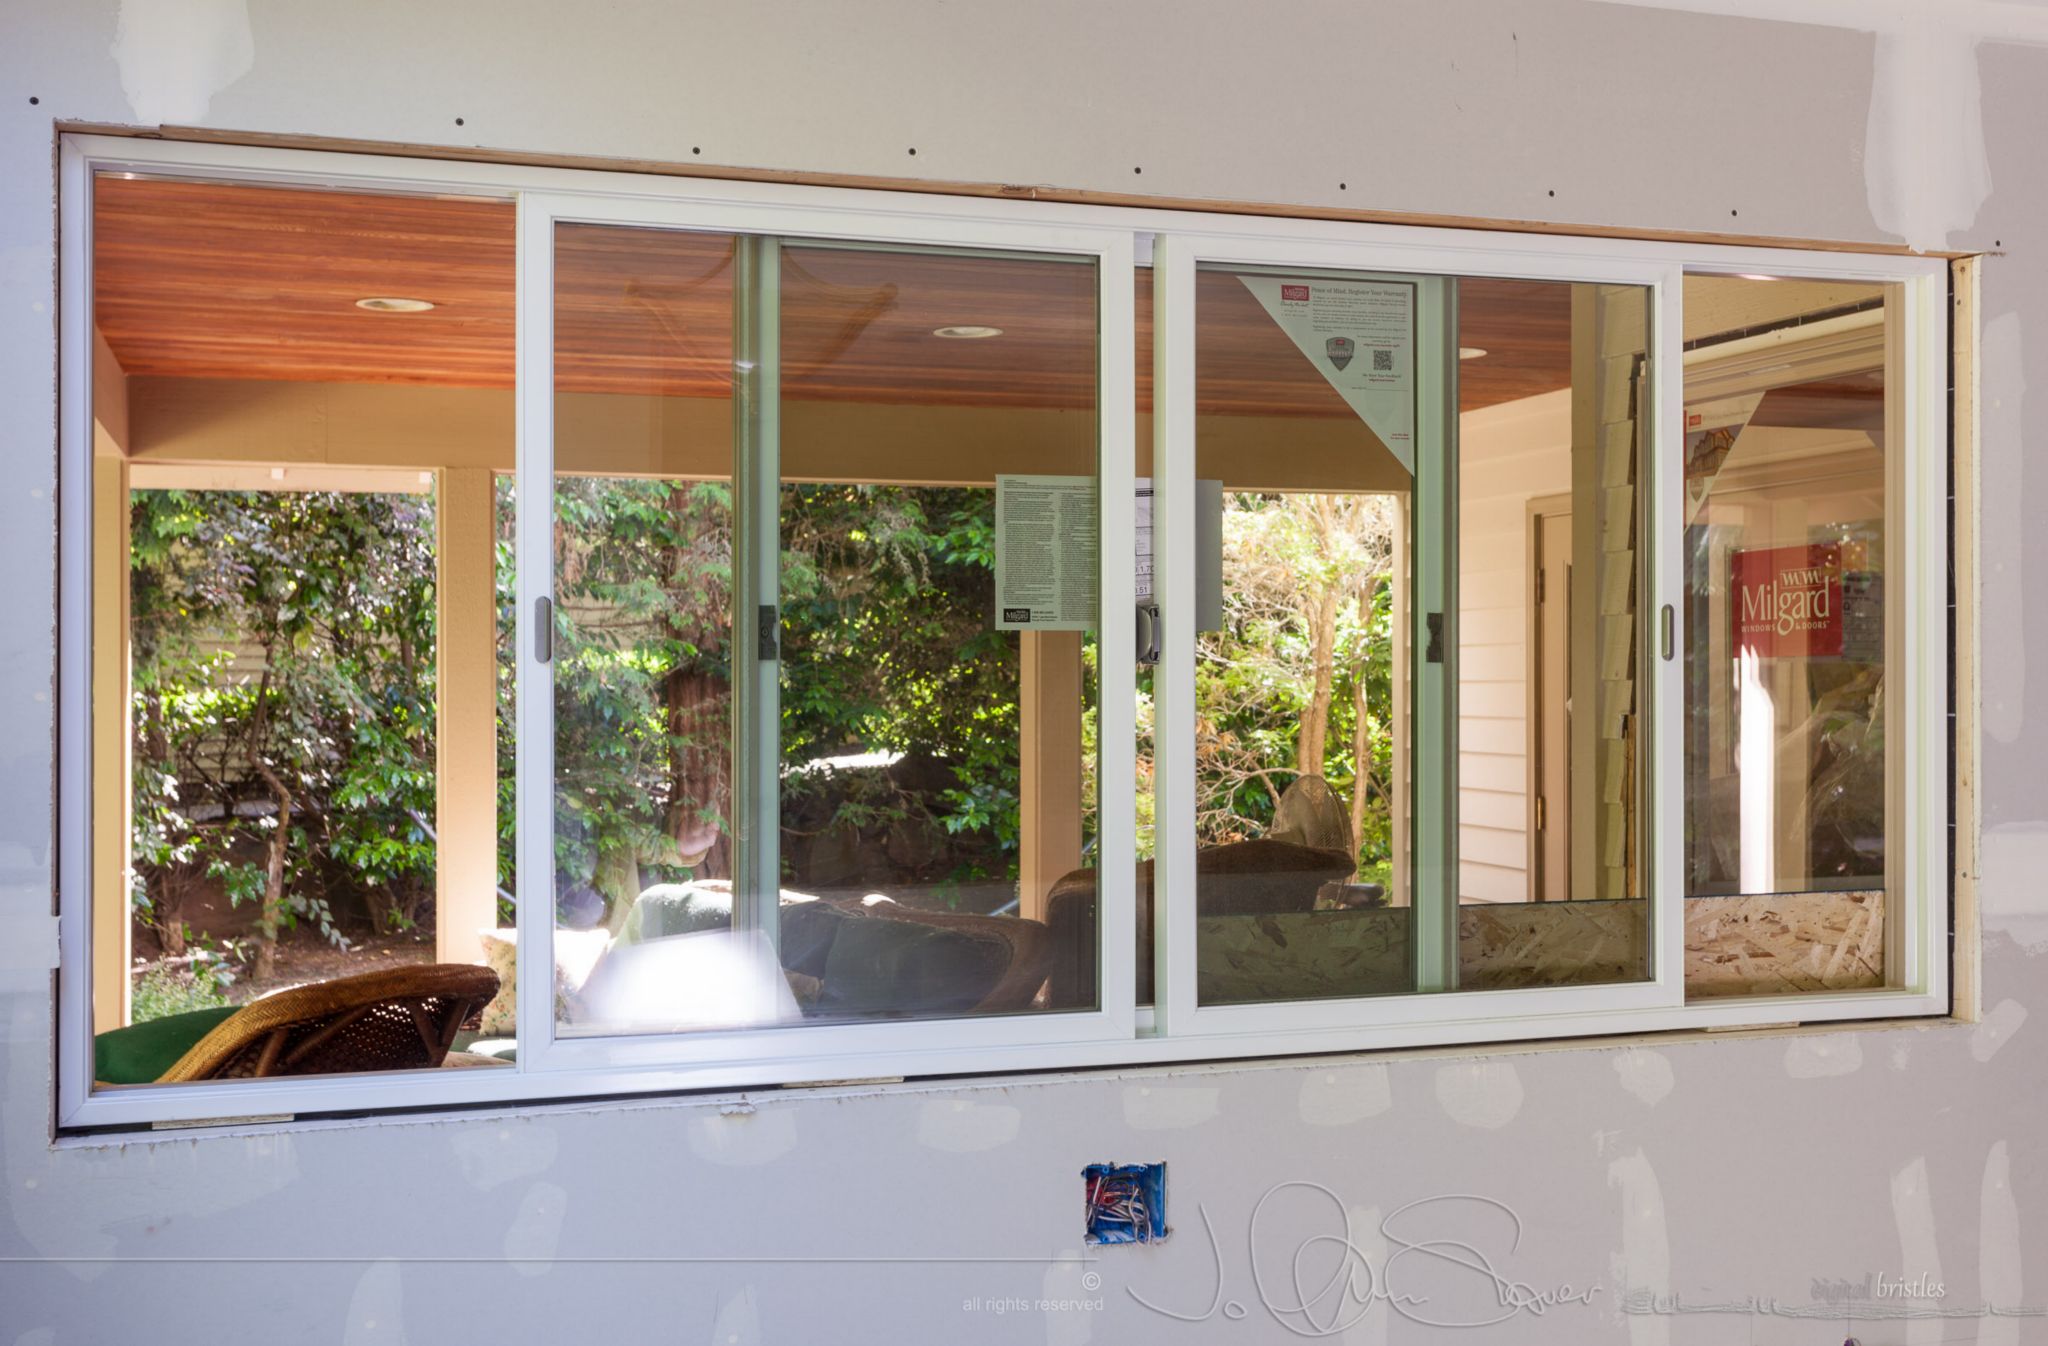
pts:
pixel 1114 1034
pixel 541 1049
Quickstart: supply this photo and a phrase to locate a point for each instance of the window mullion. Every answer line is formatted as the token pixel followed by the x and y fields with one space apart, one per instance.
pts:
pixel 1116 636
pixel 1174 588
pixel 1434 643
pixel 1662 522
pixel 534 551
pixel 756 588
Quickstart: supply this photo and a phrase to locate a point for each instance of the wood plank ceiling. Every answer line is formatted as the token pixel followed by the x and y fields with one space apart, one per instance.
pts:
pixel 214 280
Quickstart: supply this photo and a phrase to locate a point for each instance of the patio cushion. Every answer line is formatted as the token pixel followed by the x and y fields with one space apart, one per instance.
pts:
pixel 139 1053
pixel 881 966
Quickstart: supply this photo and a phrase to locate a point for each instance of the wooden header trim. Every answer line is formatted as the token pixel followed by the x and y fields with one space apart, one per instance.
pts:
pixel 1006 191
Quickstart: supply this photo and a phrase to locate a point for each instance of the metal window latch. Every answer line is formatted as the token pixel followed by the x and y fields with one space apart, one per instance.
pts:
pixel 767 645
pixel 1148 634
pixel 544 629
pixel 1668 622
pixel 1434 652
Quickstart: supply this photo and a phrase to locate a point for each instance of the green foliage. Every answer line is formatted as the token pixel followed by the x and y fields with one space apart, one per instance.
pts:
pixel 283 662
pixel 165 990
pixel 1304 657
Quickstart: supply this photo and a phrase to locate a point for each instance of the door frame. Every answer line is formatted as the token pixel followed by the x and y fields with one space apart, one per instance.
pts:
pixel 1539 508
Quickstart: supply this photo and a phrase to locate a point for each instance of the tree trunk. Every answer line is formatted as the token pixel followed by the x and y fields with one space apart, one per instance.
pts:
pixel 698 706
pixel 270 917
pixel 697 710
pixel 1364 780
pixel 168 915
pixel 1315 720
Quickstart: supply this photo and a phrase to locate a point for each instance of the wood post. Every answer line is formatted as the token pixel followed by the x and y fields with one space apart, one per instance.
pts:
pixel 466 731
pixel 113 741
pixel 1049 764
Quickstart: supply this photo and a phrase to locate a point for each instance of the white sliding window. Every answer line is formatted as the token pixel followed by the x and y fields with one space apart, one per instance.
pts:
pixel 794 634
pixel 1328 730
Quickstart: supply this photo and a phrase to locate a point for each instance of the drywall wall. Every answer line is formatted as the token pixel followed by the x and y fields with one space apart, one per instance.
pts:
pixel 1749 1174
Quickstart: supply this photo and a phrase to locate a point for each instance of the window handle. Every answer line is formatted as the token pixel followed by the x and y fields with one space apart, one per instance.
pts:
pixel 767 644
pixel 544 629
pixel 1434 653
pixel 1148 634
pixel 1668 621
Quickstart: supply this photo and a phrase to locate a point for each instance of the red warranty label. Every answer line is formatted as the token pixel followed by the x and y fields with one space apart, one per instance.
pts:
pixel 1786 602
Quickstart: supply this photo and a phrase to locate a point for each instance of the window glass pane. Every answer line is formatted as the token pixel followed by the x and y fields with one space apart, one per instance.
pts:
pixel 643 619
pixel 1553 634
pixel 1325 745
pixel 808 768
pixel 1789 622
pixel 301 398
pixel 938 763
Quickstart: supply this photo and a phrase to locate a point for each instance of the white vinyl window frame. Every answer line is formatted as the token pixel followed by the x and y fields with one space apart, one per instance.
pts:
pixel 1177 1030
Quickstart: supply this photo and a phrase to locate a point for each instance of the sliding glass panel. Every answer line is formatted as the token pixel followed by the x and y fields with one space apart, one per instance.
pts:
pixel 1555 640
pixel 1370 687
pixel 1790 450
pixel 827 586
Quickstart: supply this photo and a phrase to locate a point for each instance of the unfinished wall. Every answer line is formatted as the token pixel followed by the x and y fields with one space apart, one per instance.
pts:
pixel 1719 1171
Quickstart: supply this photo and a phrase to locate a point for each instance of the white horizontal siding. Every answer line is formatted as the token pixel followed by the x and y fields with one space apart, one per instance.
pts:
pixel 1508 455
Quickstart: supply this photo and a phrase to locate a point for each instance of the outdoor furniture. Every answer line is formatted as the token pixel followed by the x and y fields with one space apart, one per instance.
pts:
pixel 1245 879
pixel 857 957
pixel 401 1018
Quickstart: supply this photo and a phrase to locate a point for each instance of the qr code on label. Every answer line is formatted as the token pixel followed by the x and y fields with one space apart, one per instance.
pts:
pixel 1383 361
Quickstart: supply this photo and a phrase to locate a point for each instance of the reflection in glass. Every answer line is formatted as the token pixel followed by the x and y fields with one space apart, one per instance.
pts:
pixel 808 769
pixel 1786 695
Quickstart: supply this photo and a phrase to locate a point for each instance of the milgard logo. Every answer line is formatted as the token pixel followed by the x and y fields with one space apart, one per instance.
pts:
pixel 1787 601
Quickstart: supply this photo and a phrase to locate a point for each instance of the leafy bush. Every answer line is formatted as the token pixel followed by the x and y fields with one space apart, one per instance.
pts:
pixel 168 989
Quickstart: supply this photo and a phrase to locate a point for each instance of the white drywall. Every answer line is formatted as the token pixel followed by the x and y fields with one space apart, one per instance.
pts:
pixel 1716 1171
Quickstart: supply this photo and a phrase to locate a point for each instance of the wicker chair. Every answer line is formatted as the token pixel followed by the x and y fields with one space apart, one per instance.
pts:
pixel 401 1018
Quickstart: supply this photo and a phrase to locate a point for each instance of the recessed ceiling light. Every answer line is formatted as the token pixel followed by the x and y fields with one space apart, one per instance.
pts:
pixel 386 304
pixel 967 333
pixel 1470 352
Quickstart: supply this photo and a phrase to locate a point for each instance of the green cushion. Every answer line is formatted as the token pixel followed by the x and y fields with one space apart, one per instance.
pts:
pixel 879 966
pixel 139 1053
pixel 676 909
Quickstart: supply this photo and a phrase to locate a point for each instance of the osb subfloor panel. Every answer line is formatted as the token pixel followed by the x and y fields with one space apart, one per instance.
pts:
pixel 1549 944
pixel 1301 955
pixel 1780 943
pixel 1769 944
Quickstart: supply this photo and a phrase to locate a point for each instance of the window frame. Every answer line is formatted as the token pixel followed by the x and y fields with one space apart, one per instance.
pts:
pixel 1115 1034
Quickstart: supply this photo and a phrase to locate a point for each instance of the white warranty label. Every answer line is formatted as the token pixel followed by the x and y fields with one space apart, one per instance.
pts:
pixel 1045 553
pixel 1360 334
